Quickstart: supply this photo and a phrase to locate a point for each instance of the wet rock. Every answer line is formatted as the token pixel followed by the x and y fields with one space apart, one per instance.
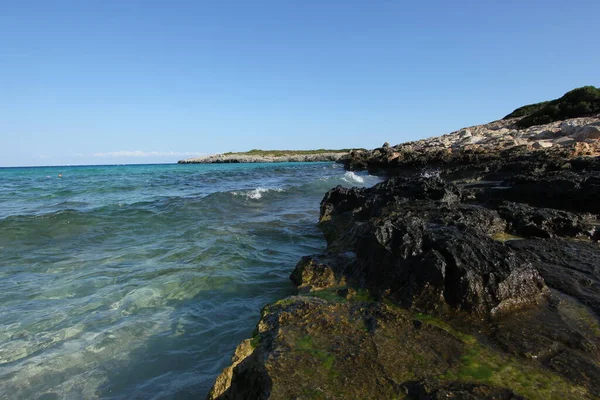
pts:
pixel 308 347
pixel 530 221
pixel 563 337
pixel 563 190
pixel 223 382
pixel 310 274
pixel 416 244
pixel 424 390
pixel 572 267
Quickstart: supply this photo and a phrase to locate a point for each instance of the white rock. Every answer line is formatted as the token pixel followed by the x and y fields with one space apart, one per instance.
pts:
pixel 465 133
pixel 541 144
pixel 520 141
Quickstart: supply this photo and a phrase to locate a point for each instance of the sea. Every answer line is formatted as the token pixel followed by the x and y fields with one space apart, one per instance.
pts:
pixel 138 281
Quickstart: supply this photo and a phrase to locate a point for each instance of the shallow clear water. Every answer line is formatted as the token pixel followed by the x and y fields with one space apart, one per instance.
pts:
pixel 125 282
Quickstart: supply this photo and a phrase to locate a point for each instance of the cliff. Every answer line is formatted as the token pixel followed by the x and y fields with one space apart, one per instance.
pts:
pixel 472 272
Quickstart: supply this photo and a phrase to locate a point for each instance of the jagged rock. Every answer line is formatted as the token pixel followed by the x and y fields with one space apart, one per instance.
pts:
pixel 307 347
pixel 573 267
pixel 563 190
pixel 530 221
pixel 490 139
pixel 310 274
pixel 465 133
pixel 223 383
pixel 415 244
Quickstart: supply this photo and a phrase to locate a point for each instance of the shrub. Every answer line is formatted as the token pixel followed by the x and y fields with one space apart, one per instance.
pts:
pixel 576 103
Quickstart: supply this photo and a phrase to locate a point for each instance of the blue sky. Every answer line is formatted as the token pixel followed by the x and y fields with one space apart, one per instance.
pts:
pixel 117 81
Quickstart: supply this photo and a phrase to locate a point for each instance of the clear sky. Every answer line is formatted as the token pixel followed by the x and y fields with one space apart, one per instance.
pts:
pixel 119 81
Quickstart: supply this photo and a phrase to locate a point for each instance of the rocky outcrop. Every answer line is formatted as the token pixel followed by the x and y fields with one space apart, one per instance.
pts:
pixel 418 244
pixel 490 143
pixel 250 158
pixel 472 272
pixel 307 347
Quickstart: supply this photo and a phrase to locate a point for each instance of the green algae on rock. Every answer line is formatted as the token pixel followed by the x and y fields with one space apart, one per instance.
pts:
pixel 312 348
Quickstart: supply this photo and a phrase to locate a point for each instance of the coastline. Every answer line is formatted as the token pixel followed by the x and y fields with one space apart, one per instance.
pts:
pixel 458 276
pixel 306 156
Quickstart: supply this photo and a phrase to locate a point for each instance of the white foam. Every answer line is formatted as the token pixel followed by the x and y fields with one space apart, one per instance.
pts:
pixel 352 177
pixel 430 173
pixel 256 193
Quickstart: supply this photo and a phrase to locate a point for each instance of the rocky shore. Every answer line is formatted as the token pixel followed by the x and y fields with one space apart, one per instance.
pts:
pixel 252 158
pixel 472 272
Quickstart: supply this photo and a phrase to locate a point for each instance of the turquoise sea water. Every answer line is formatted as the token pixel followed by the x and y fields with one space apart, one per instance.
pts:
pixel 124 282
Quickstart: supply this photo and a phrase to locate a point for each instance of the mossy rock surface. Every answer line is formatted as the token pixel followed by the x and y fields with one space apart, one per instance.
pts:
pixel 313 348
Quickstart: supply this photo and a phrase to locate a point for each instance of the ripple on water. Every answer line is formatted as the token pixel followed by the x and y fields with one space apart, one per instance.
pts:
pixel 139 281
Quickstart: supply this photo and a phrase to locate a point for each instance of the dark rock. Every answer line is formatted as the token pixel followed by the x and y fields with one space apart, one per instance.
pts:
pixel 346 293
pixel 573 267
pixel 563 190
pixel 563 330
pixel 578 369
pixel 415 243
pixel 596 234
pixel 530 221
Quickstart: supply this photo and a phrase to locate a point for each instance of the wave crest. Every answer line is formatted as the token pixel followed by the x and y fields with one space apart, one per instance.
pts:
pixel 351 177
pixel 256 194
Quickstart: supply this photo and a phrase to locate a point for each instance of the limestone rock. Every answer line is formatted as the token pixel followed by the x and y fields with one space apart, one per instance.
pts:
pixel 541 144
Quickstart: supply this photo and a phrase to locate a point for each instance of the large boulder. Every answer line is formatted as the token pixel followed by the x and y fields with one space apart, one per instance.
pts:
pixel 416 244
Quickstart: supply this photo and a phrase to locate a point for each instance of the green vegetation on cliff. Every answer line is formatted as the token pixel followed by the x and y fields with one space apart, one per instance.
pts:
pixel 576 103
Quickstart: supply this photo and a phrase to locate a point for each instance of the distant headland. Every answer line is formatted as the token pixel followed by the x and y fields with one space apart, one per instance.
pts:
pixel 258 156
